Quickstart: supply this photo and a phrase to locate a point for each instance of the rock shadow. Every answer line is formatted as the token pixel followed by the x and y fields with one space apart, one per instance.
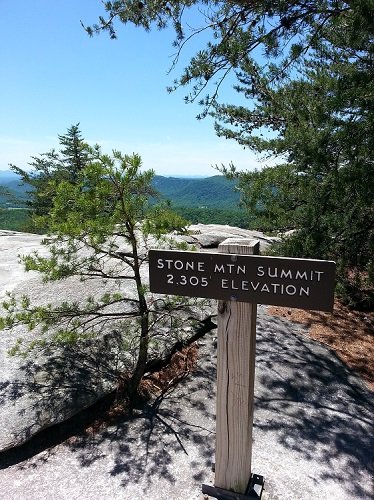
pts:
pixel 306 402
pixel 314 405
pixel 46 389
pixel 179 422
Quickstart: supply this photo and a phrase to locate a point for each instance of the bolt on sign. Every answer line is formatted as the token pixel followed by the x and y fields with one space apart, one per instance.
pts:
pixel 301 283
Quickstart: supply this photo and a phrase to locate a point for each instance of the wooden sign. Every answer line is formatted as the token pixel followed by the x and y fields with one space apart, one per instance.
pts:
pixel 241 279
pixel 302 283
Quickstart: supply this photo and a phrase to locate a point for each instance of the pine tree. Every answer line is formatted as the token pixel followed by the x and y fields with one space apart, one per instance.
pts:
pixel 74 152
pixel 304 72
pixel 98 229
pixel 49 169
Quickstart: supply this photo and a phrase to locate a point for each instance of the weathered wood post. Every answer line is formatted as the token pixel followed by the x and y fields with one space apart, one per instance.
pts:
pixel 235 382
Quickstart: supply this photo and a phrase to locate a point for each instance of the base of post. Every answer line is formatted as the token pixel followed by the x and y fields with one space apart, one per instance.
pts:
pixel 254 490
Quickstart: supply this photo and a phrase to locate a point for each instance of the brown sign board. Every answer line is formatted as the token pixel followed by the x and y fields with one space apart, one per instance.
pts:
pixel 301 283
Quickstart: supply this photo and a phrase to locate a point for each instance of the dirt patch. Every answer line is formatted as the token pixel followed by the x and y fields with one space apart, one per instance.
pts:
pixel 349 333
pixel 181 365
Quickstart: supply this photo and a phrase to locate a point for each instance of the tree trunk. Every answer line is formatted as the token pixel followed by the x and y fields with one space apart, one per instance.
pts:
pixel 144 326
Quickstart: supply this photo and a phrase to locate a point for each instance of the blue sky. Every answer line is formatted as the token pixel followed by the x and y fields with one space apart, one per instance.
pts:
pixel 54 75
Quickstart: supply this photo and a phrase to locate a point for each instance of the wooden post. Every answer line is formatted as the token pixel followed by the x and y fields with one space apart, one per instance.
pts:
pixel 235 382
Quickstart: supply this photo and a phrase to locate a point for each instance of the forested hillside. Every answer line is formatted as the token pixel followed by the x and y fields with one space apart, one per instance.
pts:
pixel 210 192
pixel 205 200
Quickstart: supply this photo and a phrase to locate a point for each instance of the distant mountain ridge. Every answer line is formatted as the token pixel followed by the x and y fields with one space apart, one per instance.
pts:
pixel 207 192
pixel 10 183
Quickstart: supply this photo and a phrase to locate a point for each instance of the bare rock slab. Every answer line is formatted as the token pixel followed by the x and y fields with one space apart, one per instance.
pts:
pixel 48 387
pixel 211 235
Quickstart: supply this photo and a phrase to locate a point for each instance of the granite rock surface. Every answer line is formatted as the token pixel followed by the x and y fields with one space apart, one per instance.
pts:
pixel 49 386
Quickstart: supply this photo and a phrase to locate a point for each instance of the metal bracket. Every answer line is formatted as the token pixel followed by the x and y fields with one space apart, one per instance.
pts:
pixel 254 490
pixel 255 486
